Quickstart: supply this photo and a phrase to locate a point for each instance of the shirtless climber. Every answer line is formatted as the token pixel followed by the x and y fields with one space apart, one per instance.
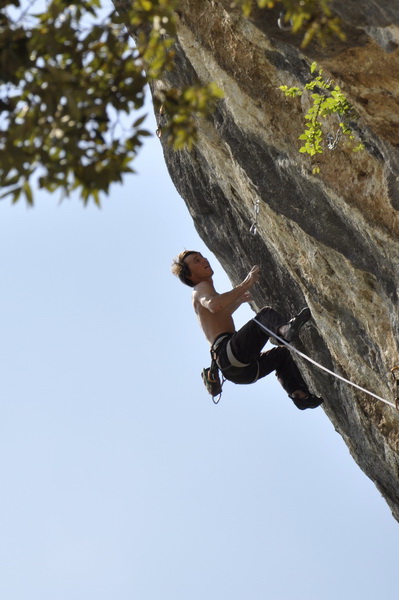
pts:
pixel 239 353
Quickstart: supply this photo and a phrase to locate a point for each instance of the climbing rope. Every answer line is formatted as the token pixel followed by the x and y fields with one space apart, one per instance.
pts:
pixel 396 374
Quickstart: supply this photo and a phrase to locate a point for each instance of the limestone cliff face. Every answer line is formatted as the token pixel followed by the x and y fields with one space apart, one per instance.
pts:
pixel 327 240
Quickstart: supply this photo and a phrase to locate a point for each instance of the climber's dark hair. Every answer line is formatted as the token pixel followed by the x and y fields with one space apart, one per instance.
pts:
pixel 181 269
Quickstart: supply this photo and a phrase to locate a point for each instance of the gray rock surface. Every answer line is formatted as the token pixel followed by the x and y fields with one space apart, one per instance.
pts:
pixel 327 240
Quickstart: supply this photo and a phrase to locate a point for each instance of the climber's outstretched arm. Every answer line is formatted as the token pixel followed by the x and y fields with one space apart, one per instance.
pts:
pixel 205 295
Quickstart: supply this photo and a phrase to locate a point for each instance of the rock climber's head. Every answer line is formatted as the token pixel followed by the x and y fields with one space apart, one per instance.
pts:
pixel 191 267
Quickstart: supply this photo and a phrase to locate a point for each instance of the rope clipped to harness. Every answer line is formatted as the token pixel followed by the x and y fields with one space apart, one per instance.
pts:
pixel 285 343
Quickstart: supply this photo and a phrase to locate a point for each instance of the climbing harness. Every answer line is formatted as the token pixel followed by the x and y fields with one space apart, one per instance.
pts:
pixel 285 343
pixel 395 375
pixel 254 227
pixel 211 376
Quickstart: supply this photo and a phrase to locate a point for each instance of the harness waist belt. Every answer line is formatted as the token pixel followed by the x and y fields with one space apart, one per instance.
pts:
pixel 219 340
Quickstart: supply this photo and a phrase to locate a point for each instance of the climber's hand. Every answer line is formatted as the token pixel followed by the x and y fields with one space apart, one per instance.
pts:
pixel 252 277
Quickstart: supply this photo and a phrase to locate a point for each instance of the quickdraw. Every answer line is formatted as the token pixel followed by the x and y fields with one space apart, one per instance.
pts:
pixel 254 227
pixel 395 375
pixel 162 121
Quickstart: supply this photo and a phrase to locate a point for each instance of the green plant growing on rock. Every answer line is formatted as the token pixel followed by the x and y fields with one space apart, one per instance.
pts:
pixel 327 99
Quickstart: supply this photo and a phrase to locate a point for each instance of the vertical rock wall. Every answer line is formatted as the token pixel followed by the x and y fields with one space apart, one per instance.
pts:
pixel 328 240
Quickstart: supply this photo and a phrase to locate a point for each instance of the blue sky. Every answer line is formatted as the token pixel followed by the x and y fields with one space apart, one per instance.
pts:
pixel 120 478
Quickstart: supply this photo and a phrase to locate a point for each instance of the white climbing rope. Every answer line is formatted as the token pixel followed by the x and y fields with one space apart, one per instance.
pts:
pixel 321 366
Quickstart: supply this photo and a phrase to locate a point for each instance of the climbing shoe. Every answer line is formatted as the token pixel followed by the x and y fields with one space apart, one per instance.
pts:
pixel 311 401
pixel 295 324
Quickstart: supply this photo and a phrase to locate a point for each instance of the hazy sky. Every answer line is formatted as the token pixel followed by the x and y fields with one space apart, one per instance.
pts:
pixel 119 477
